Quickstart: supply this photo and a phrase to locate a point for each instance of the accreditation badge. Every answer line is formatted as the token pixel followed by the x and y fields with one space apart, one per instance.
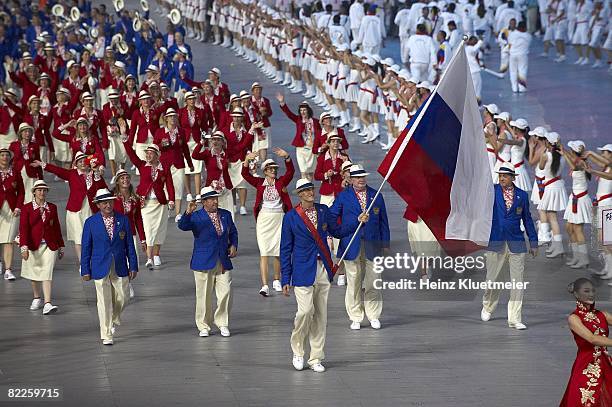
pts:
pixel 122 235
pixel 376 210
pixel 519 210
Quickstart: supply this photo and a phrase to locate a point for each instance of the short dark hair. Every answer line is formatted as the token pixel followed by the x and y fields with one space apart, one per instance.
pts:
pixel 421 28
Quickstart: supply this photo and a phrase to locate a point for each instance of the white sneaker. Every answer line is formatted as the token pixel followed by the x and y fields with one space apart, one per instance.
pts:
pixel 518 325
pixel 131 290
pixel 578 61
pixel 342 279
pixel 149 264
pixel 8 275
pixel 375 324
pixel 107 341
pixel 113 329
pixel 276 285
pixel 243 210
pixel 224 331
pixel 597 64
pixel 561 58
pixel 204 333
pixel 157 261
pixel 585 61
pixel 355 325
pixel 189 198
pixel 265 290
pixel 177 218
pixel 298 362
pixel 37 303
pixel 49 309
pixel 318 368
pixel 484 315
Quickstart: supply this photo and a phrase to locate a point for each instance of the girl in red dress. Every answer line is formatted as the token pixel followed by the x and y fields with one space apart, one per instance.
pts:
pixel 590 383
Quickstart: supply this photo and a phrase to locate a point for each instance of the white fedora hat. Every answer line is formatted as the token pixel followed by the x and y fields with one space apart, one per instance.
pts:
pixel 103 195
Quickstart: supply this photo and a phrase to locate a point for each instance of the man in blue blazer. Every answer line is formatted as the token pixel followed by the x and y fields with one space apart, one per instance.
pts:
pixel 216 242
pixel 306 264
pixel 108 256
pixel 372 241
pixel 507 242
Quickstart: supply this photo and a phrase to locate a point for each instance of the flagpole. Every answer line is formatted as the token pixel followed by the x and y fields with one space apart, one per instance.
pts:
pixel 401 150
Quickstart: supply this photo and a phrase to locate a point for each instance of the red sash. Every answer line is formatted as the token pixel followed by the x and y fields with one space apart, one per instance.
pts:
pixel 517 165
pixel 374 93
pixel 603 198
pixel 575 199
pixel 316 236
pixel 545 184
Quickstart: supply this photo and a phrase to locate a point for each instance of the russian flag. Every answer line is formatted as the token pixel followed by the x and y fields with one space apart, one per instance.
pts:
pixel 439 164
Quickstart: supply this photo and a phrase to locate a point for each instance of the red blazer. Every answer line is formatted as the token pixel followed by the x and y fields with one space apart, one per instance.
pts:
pixel 140 127
pixel 94 124
pixel 32 229
pixel 92 147
pixel 46 65
pixel 237 149
pixel 263 103
pixel 212 169
pixel 131 104
pixel 42 135
pixel 64 115
pixel 224 92
pixel 280 185
pixel 173 154
pixel 203 121
pixel 319 145
pixel 146 180
pixel 17 114
pixel 28 87
pixel 74 88
pixel 19 160
pixel 11 190
pixel 217 107
pixel 78 187
pixel 298 141
pixel 109 112
pixel 134 215
pixel 5 119
pixel 331 186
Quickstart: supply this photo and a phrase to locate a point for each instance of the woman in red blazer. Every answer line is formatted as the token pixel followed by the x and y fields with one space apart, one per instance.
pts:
pixel 83 183
pixel 25 151
pixel 172 143
pixel 11 201
pixel 271 203
pixel 41 243
pixel 154 176
pixel 329 169
pixel 327 128
pixel 217 169
pixel 80 138
pixel 128 203
pixel 307 129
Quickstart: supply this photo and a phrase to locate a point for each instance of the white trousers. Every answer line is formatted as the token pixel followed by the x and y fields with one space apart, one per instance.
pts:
pixel 111 294
pixel 311 317
pixel 419 71
pixel 518 72
pixel 360 272
pixel 477 80
pixel 205 282
pixel 495 264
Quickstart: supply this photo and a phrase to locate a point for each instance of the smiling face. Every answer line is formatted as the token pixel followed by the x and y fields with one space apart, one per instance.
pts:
pixel 26 135
pixel 211 204
pixel 506 180
pixel 40 194
pixel 334 144
pixel 271 171
pixel 359 183
pixel 124 181
pixel 5 158
pixel 307 195
pixel 151 156
pixel 106 207
pixel 171 120
pixel 585 293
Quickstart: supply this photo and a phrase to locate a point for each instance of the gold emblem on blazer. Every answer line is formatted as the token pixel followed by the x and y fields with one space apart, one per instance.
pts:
pixel 376 210
pixel 284 190
pixel 122 235
pixel 51 222
pixel 324 227
pixel 519 210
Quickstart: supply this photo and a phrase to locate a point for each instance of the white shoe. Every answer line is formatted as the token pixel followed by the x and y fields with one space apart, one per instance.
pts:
pixel 276 285
pixel 544 54
pixel 561 58
pixel 342 279
pixel 265 290
pixel 298 362
pixel 318 368
pixel 37 303
pixel 355 326
pixel 585 61
pixel 578 61
pixel 132 294
pixel 518 325
pixel 243 210
pixel 107 341
pixel 49 309
pixel 157 261
pixel 204 333
pixel 190 198
pixel 375 324
pixel 177 218
pixel 149 264
pixel 113 329
pixel 484 315
pixel 597 64
pixel 8 275
pixel 224 331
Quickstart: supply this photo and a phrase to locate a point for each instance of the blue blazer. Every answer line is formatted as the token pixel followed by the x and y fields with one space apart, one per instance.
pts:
pixel 208 247
pixel 98 250
pixel 374 234
pixel 506 225
pixel 299 251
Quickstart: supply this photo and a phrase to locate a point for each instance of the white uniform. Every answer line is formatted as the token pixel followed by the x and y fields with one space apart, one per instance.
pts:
pixel 422 55
pixel 519 50
pixel 356 14
pixel 371 34
pixel 557 30
pixel 472 52
pixel 580 211
pixel 554 198
pixel 517 158
pixel 583 14
pixel 402 20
